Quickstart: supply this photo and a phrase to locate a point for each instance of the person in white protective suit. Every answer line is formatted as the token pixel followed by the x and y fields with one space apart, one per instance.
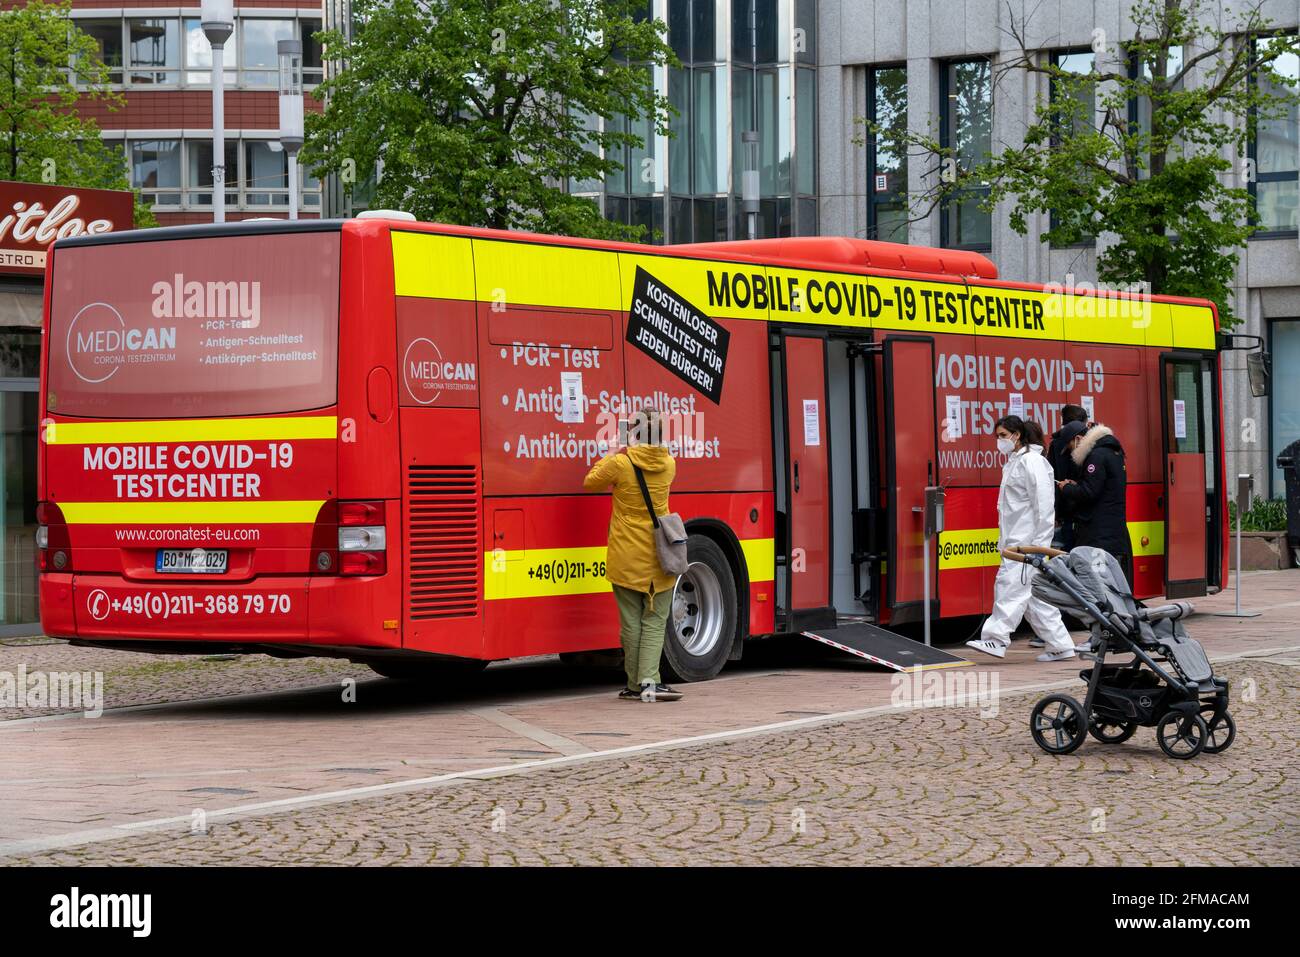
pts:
pixel 1026 516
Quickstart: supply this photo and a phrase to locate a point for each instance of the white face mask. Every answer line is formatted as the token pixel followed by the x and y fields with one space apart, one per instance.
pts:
pixel 1006 446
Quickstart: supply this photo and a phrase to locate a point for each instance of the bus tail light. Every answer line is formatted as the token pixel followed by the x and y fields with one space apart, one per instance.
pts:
pixel 362 539
pixel 53 545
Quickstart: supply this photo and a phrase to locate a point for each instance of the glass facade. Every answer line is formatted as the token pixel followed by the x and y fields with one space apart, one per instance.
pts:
pixel 745 65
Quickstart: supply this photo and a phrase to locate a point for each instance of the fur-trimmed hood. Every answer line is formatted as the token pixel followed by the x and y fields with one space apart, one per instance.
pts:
pixel 1089 442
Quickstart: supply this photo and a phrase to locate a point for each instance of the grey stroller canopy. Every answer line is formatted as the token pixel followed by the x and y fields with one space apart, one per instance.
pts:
pixel 1096 574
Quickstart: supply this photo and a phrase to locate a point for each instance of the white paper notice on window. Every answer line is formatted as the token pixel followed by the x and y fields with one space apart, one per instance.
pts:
pixel 953 416
pixel 571 398
pixel 1180 419
pixel 812 423
pixel 1086 403
pixel 1016 406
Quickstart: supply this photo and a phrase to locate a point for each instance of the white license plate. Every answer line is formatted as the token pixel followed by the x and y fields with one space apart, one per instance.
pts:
pixel 191 561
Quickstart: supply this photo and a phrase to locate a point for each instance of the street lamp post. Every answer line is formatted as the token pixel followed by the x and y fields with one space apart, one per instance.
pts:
pixel 291 131
pixel 218 20
pixel 749 181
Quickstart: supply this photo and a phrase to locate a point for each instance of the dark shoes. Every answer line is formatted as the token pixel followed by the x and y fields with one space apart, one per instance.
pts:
pixel 648 694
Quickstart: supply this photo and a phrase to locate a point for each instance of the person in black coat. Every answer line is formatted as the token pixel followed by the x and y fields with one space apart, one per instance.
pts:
pixel 1097 497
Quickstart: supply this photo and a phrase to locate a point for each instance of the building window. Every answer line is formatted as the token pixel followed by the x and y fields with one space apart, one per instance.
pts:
pixel 170 51
pixel 887 210
pixel 155 51
pixel 198 55
pixel 107 35
pixel 313 70
pixel 1274 147
pixel 198 154
pixel 177 174
pixel 258 57
pixel 1139 108
pixel 966 128
pixel 1082 117
pixel 1285 401
pixel 156 171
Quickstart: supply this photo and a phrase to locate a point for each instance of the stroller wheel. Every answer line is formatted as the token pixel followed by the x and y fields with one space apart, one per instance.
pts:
pixel 1109 731
pixel 1057 724
pixel 1219 734
pixel 1181 735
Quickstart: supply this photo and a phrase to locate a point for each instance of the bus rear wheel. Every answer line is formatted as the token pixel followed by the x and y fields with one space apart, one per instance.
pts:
pixel 703 614
pixel 428 672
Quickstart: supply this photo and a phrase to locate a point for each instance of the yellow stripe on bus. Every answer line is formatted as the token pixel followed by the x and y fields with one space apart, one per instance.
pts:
pixel 190 513
pixel 192 430
pixel 548 275
pixel 433 266
pixel 977 547
pixel 547 572
pixel 533 274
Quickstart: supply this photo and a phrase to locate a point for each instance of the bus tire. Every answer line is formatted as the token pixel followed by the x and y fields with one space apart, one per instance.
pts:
pixel 428 672
pixel 702 615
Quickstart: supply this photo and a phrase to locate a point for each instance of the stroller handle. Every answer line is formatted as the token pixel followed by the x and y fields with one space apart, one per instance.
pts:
pixel 1021 553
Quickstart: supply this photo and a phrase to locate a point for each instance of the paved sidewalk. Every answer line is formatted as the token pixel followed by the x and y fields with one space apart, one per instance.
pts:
pixel 74 779
pixel 941 786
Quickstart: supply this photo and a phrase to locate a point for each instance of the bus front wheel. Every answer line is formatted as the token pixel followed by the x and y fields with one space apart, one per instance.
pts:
pixel 703 614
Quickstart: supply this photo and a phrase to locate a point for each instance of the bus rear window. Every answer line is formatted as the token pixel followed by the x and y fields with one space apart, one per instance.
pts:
pixel 181 328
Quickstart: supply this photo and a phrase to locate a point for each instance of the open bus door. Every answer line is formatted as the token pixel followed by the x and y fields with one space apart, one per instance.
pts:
pixel 1188 388
pixel 804 548
pixel 911 464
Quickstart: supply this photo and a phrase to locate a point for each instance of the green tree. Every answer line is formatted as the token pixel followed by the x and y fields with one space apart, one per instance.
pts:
pixel 481 110
pixel 48 68
pixel 1152 157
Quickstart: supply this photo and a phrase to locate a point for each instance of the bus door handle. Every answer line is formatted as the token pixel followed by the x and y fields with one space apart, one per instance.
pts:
pixel 796 475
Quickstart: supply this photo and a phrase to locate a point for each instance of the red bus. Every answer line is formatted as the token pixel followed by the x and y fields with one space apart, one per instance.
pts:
pixel 367 438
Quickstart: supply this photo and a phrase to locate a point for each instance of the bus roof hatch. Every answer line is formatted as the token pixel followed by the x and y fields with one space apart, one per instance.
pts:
pixel 862 253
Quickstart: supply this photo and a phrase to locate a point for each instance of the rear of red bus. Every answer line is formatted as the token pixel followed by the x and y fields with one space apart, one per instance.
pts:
pixel 194 440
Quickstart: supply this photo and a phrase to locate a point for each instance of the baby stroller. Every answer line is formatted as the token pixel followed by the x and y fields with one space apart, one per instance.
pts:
pixel 1186 704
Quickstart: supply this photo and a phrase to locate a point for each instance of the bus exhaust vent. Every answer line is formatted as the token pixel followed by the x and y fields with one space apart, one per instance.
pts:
pixel 445 554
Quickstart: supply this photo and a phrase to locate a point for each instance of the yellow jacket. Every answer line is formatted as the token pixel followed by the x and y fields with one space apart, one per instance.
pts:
pixel 632 561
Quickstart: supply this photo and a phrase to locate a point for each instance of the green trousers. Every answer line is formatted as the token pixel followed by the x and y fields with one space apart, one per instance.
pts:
pixel 641 632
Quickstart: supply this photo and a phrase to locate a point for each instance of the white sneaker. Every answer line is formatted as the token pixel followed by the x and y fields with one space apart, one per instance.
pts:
pixel 1065 655
pixel 988 647
pixel 1037 643
pixel 1083 646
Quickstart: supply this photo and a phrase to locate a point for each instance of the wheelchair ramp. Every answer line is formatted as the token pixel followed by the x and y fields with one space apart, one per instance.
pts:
pixel 885 648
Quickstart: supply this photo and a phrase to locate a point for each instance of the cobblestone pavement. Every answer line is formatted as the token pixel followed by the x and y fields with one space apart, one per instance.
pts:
pixel 933 786
pixel 131 679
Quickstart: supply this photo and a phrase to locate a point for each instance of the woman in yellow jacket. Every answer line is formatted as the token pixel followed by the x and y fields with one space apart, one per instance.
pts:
pixel 642 589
